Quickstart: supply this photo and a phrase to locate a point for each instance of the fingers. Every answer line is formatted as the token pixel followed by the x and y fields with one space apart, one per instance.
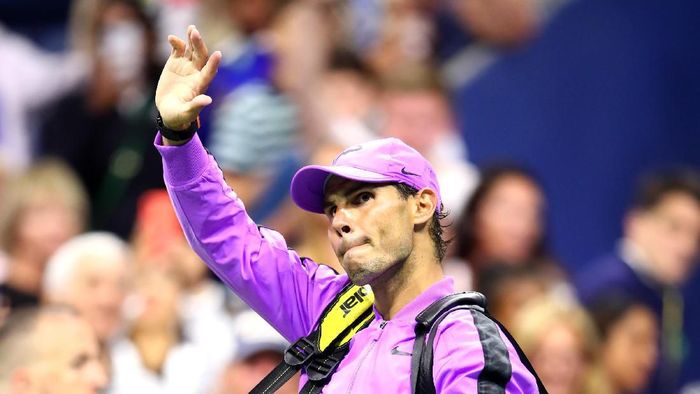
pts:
pixel 178 46
pixel 200 53
pixel 195 49
pixel 188 48
pixel 209 70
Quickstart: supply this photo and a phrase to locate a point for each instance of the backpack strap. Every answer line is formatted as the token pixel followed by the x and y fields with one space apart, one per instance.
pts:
pixel 497 370
pixel 323 349
pixel 322 368
pixel 422 355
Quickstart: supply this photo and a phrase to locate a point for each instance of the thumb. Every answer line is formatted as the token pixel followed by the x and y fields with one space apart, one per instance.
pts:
pixel 199 102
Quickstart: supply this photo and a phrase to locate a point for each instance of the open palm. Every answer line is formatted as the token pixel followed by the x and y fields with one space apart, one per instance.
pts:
pixel 186 76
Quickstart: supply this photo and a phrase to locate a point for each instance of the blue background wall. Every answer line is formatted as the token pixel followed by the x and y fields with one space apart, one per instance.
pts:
pixel 611 89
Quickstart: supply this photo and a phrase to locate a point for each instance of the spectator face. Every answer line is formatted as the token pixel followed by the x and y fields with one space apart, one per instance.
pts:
pixel 509 222
pixel 244 375
pixel 630 351
pixel 500 22
pixel 417 117
pixel 44 224
pixel 346 94
pixel 68 360
pixel 669 236
pixel 188 267
pixel 98 291
pixel 559 360
pixel 159 297
pixel 124 44
pixel 513 294
pixel 260 349
pixel 371 227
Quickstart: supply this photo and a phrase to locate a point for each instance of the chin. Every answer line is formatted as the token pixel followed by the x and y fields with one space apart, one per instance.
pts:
pixel 359 277
pixel 362 276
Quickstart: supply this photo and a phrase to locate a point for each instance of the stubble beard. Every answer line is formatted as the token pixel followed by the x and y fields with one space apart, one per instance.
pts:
pixel 366 272
pixel 377 270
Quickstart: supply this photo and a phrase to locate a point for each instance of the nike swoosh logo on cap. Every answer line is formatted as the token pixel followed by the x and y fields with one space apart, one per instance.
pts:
pixel 403 171
pixel 396 352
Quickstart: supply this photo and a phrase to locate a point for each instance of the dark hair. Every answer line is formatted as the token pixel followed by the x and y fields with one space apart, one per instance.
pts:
pixel 343 59
pixel 493 280
pixel 405 78
pixel 466 238
pixel 435 227
pixel 140 13
pixel 653 187
pixel 609 308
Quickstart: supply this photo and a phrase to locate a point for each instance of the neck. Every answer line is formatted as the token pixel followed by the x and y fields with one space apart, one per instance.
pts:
pixel 637 259
pixel 154 346
pixel 404 282
pixel 167 333
pixel 25 273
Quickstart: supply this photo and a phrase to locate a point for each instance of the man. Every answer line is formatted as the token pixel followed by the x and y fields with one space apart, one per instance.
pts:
pixel 383 204
pixel 90 273
pixel 259 349
pixel 655 258
pixel 49 350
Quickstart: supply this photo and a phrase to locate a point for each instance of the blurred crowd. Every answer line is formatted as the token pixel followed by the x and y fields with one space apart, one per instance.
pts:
pixel 99 290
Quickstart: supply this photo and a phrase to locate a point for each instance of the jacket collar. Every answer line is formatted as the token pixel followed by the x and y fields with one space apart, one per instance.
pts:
pixel 408 313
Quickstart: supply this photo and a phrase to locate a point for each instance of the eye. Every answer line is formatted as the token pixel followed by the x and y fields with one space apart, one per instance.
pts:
pixel 363 197
pixel 79 361
pixel 330 210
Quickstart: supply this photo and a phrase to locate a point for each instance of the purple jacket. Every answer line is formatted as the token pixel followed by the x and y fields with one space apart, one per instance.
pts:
pixel 290 292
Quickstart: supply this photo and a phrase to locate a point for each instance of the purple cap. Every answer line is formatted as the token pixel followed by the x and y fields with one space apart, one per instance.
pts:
pixel 378 161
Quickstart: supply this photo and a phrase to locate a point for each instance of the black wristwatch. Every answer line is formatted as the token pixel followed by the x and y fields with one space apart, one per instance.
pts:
pixel 177 135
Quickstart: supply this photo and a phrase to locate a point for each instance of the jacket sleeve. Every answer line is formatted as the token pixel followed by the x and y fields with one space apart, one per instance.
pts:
pixel 472 355
pixel 288 291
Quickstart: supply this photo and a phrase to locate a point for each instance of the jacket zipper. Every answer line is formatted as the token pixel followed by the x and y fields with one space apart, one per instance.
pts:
pixel 364 356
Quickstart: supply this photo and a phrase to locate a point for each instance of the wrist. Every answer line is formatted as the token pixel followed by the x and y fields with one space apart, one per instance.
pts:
pixel 178 135
pixel 176 127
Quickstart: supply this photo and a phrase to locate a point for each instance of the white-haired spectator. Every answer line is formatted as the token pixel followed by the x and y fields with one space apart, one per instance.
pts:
pixel 90 273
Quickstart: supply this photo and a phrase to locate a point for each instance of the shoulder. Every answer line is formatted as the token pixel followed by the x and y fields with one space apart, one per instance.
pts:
pixel 458 337
pixel 472 351
pixel 600 271
pixel 607 273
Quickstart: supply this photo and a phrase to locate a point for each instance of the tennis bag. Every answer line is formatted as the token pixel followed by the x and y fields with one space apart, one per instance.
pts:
pixel 320 352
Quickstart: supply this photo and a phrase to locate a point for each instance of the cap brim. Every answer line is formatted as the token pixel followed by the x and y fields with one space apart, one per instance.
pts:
pixel 308 184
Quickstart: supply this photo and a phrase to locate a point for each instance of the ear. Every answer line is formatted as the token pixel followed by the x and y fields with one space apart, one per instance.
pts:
pixel 425 206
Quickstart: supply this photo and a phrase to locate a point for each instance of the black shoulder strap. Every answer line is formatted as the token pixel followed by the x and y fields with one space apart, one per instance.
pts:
pixel 497 369
pixel 323 349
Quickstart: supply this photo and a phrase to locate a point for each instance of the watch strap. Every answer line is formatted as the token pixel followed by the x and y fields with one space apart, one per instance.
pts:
pixel 177 135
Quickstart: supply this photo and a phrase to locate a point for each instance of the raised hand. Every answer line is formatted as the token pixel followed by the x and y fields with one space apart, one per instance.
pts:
pixel 186 76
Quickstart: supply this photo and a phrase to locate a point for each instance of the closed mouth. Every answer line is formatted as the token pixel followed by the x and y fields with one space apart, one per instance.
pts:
pixel 344 249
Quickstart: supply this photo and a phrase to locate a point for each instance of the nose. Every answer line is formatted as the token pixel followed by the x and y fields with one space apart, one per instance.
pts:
pixel 341 222
pixel 96 375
